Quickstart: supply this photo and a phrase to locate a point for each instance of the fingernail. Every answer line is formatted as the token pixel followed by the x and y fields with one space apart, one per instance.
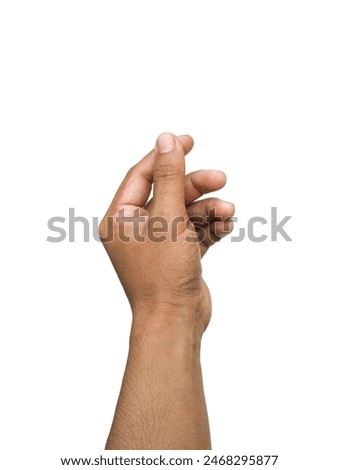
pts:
pixel 165 143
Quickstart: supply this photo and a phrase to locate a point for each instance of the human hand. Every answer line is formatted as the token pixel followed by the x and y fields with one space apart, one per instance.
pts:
pixel 156 245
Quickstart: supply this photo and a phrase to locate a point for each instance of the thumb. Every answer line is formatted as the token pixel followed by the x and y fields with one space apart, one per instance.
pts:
pixel 169 177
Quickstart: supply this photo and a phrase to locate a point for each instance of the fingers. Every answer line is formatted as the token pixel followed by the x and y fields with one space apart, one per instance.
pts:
pixel 212 220
pixel 213 233
pixel 136 187
pixel 169 177
pixel 198 183
pixel 210 208
pixel 187 142
pixel 202 182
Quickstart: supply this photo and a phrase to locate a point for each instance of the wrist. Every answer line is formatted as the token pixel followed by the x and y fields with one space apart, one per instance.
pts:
pixel 167 325
pixel 190 311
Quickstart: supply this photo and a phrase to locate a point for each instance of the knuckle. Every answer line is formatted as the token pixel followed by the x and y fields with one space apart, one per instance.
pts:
pixel 165 172
pixel 214 202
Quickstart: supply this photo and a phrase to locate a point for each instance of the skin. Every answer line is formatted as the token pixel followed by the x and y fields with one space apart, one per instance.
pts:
pixel 161 403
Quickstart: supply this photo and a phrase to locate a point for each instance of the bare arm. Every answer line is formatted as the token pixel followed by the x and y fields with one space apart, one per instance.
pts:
pixel 161 403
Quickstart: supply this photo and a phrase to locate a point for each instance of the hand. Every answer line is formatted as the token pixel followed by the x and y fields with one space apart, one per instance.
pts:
pixel 156 247
pixel 160 267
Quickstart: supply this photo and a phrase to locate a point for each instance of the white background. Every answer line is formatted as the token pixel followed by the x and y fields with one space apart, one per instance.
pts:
pixel 86 87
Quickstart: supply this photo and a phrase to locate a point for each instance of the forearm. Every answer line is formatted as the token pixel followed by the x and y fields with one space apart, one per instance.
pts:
pixel 161 403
